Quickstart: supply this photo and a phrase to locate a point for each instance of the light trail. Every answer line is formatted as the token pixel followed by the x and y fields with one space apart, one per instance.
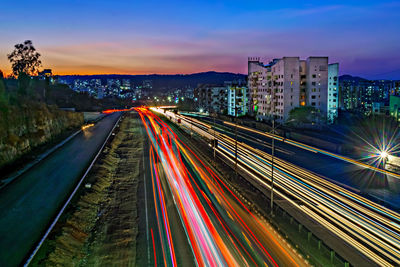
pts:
pixel 370 228
pixel 315 150
pixel 219 227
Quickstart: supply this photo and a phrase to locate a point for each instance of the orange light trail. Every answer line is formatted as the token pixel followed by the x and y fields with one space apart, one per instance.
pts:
pixel 203 207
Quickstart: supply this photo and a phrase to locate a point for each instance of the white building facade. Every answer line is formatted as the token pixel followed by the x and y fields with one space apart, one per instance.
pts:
pixel 237 98
pixel 333 92
pixel 283 84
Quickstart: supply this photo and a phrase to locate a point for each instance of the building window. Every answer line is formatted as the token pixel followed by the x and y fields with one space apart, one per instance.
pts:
pixel 313 97
pixel 314 76
pixel 313 104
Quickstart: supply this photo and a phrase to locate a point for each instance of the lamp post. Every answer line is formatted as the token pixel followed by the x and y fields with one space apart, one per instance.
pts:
pixel 272 165
pixel 272 160
pixel 191 128
pixel 236 148
pixel 215 147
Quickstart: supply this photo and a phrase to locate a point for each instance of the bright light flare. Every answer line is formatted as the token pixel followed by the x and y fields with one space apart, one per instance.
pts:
pixel 384 154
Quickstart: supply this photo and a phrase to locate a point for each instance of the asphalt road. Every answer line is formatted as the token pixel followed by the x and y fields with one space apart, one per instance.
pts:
pixel 371 229
pixel 28 205
pixel 378 187
pixel 258 243
pixel 220 229
pixel 150 247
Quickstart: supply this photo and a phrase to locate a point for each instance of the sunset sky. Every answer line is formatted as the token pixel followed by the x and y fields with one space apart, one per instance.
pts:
pixel 143 37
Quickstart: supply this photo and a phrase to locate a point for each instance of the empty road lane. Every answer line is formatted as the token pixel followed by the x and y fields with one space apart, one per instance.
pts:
pixel 28 205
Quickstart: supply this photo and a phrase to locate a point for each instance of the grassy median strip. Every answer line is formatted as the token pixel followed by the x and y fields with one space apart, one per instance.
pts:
pixel 100 228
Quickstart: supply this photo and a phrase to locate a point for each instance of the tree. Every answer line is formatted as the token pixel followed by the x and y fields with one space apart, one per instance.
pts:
pixel 25 59
pixel 23 83
pixel 304 115
pixel 47 89
pixel 3 95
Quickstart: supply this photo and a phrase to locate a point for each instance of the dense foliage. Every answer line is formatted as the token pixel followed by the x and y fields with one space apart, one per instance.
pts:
pixel 24 59
pixel 304 115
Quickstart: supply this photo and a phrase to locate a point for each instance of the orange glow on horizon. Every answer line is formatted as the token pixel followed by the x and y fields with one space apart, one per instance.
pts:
pixel 7 72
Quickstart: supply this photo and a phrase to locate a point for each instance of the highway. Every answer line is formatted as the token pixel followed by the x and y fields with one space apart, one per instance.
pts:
pixel 368 227
pixel 150 245
pixel 28 204
pixel 220 229
pixel 376 184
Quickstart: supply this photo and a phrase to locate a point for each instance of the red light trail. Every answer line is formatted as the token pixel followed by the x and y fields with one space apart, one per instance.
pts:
pixel 220 229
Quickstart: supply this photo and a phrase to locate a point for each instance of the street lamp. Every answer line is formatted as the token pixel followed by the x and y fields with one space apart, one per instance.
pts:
pixel 238 100
pixel 215 142
pixel 272 164
pixel 236 144
pixel 383 154
pixel 272 159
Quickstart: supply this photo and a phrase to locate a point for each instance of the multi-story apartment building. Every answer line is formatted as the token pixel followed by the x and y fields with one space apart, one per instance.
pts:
pixel 396 88
pixel 211 98
pixel 361 95
pixel 126 84
pixel 283 84
pixel 237 99
pixel 189 93
pixel 347 95
pixel 95 83
pixel 394 107
pixel 333 92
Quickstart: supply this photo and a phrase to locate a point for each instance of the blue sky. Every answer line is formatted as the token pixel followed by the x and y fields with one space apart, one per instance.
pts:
pixel 193 36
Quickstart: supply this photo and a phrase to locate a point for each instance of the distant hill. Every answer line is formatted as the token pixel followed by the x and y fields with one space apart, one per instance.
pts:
pixel 359 79
pixel 347 77
pixel 164 82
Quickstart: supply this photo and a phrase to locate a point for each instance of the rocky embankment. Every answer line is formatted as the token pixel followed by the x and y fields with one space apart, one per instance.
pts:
pixel 30 125
pixel 101 227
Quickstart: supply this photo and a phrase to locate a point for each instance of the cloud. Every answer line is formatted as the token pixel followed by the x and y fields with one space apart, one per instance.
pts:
pixel 320 10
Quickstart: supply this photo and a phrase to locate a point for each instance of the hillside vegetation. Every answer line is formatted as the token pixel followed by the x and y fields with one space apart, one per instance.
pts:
pixel 101 229
pixel 28 125
pixel 30 114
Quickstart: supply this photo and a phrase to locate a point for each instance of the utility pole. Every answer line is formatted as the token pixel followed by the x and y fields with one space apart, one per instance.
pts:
pixel 191 130
pixel 272 165
pixel 236 136
pixel 215 142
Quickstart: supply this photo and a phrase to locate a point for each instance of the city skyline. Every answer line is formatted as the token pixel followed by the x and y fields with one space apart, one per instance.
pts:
pixel 188 37
pixel 200 133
